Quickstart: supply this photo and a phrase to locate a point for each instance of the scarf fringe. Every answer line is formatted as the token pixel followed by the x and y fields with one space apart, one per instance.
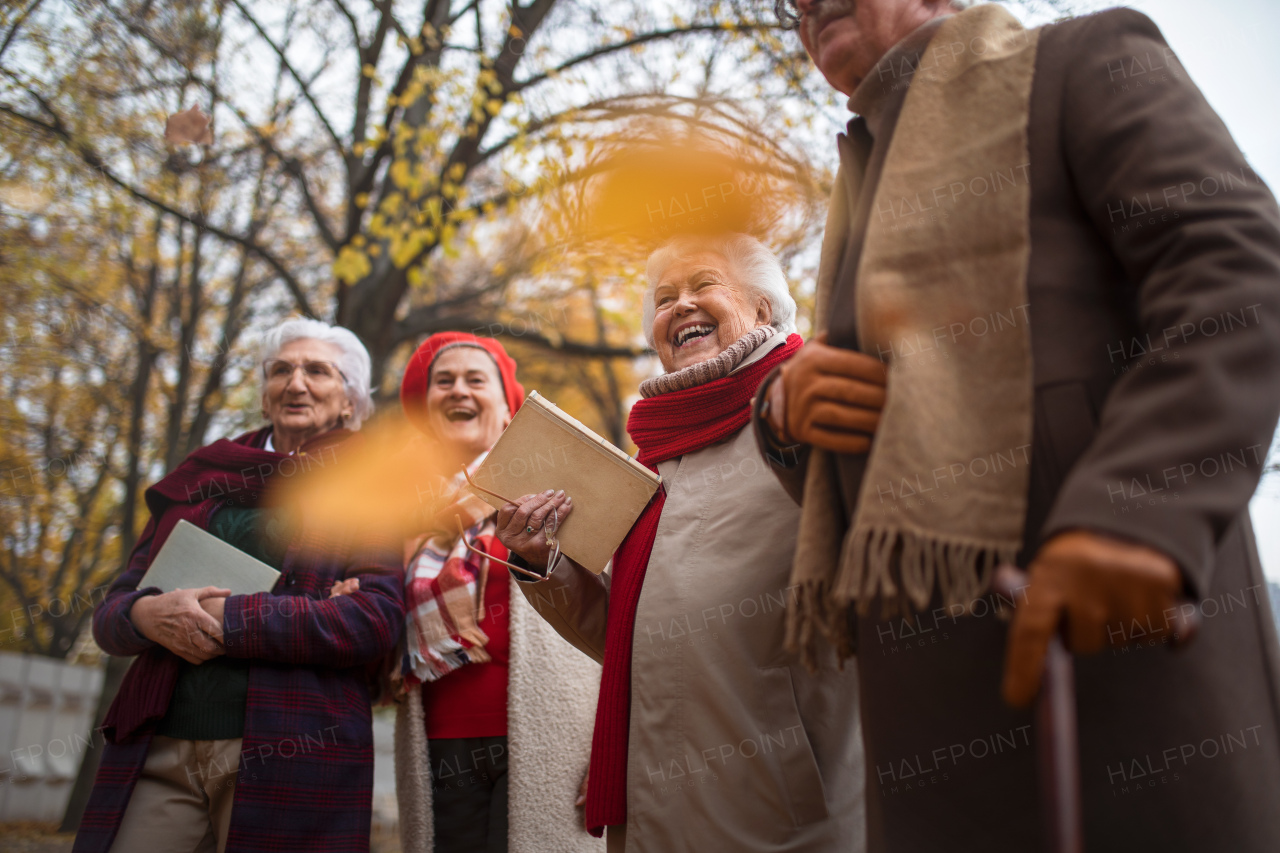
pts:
pixel 904 568
pixel 811 614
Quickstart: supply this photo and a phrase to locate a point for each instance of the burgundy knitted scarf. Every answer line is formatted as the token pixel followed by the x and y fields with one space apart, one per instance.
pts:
pixel 234 471
pixel 663 428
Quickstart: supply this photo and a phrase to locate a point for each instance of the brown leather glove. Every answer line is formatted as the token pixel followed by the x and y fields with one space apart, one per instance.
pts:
pixel 828 397
pixel 1098 585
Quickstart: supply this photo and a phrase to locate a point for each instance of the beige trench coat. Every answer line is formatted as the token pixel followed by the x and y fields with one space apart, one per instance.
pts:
pixel 551 701
pixel 733 745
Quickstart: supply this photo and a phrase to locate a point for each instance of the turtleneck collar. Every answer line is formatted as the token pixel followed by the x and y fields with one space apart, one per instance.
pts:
pixel 893 73
pixel 733 357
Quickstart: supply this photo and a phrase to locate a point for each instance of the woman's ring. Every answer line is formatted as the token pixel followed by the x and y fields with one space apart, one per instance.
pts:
pixel 528 529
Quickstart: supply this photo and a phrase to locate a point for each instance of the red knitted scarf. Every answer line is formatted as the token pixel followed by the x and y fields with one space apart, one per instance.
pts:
pixel 663 427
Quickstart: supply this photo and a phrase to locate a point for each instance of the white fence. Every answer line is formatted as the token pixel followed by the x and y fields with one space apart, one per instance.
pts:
pixel 46 710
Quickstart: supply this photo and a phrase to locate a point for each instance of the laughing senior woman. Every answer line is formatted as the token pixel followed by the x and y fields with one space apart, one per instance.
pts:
pixel 708 736
pixel 245 723
pixel 493 735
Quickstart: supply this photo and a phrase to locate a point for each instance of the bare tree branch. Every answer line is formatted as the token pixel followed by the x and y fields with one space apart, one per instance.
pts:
pixel 351 19
pixel 426 323
pixel 645 38
pixel 90 157
pixel 17 25
pixel 306 89
pixel 291 165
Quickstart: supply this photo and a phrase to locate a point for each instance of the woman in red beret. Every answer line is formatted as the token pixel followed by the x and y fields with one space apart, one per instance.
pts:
pixel 497 707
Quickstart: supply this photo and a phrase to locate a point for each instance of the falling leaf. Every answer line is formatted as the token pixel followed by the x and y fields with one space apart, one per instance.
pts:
pixel 24 198
pixel 189 126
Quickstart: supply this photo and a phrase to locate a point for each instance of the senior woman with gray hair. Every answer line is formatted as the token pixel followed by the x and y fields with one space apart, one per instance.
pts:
pixel 245 723
pixel 708 736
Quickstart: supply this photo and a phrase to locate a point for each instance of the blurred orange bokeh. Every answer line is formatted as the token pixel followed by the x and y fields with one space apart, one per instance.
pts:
pixel 648 192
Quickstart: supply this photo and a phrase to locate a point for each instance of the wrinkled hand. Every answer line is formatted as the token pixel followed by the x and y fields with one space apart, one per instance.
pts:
pixel 532 511
pixel 828 397
pixel 215 607
pixel 181 622
pixel 1098 585
pixel 344 587
pixel 581 802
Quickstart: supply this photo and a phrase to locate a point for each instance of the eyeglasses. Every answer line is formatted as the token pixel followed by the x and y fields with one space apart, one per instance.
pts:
pixel 278 372
pixel 549 531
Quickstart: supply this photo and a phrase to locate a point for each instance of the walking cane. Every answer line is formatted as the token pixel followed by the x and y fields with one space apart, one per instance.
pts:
pixel 1057 739
pixel 1057 744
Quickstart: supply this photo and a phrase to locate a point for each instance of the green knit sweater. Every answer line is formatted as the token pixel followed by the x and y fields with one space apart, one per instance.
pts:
pixel 209 699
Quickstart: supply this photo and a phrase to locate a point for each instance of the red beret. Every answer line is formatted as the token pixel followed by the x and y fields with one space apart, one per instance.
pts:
pixel 417 375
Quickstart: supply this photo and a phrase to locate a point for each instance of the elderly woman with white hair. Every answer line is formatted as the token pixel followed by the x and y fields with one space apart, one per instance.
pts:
pixel 708 735
pixel 245 722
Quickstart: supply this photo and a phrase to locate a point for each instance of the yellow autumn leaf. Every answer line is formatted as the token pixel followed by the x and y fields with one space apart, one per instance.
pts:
pixel 351 265
pixel 399 173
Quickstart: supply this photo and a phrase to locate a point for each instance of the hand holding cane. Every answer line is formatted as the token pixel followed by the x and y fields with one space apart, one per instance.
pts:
pixel 1080 588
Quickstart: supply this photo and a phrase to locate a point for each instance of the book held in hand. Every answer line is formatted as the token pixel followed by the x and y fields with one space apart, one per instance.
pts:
pixel 544 448
pixel 192 558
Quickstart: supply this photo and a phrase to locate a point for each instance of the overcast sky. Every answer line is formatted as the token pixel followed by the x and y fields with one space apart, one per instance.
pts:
pixel 1228 46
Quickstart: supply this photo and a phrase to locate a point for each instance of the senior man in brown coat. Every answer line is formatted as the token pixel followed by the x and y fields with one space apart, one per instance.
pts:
pixel 1073 277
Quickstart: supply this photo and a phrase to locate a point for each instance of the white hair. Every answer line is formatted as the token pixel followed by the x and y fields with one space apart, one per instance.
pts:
pixel 757 271
pixel 965 4
pixel 353 359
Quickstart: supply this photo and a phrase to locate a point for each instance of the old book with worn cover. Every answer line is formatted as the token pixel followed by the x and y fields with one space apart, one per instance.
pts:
pixel 544 448
pixel 192 558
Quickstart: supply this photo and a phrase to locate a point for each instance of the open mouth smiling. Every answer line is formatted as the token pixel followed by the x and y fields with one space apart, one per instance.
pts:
pixel 456 415
pixel 695 332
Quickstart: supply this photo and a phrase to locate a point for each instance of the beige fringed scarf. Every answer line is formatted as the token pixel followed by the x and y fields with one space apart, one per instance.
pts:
pixel 941 296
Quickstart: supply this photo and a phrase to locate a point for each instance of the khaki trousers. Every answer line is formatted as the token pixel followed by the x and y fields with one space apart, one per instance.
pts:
pixel 182 801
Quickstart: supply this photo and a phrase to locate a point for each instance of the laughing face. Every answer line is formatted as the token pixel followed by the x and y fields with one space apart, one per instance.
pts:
pixel 465 402
pixel 700 309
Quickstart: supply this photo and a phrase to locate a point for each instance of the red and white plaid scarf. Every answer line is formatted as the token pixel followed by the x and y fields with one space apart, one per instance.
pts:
pixel 444 586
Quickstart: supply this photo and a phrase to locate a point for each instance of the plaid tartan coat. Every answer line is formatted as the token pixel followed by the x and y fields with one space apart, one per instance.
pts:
pixel 305 780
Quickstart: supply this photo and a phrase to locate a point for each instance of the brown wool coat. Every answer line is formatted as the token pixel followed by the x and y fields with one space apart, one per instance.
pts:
pixel 1154 290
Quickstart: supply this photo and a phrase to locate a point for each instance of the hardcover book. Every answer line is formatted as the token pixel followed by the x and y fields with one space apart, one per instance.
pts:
pixel 192 558
pixel 544 448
